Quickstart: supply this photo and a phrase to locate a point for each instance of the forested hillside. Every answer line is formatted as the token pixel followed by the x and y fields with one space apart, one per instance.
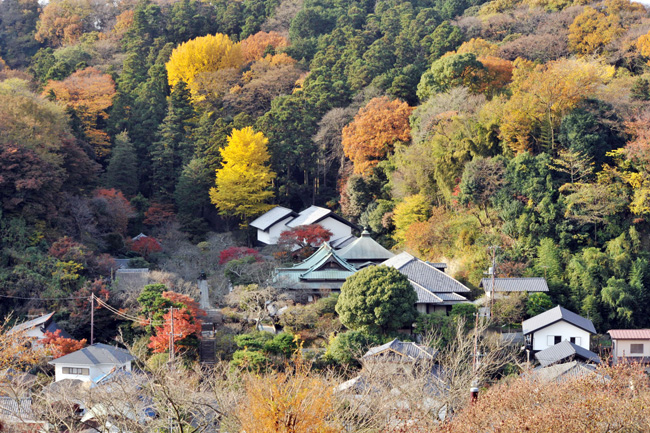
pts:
pixel 445 126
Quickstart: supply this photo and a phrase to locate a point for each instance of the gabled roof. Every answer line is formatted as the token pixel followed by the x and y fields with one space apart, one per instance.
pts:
pixel 325 265
pixel 629 334
pixel 38 322
pixel 314 214
pixel 565 351
pixel 561 372
pixel 410 351
pixel 365 248
pixel 425 274
pixel 96 354
pixel 555 315
pixel 266 220
pixel 515 284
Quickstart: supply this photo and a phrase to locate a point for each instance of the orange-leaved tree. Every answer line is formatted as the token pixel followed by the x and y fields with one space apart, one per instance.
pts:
pixel 374 131
pixel 90 93
pixel 60 346
pixel 592 30
pixel 255 46
pixel 294 401
pixel 186 322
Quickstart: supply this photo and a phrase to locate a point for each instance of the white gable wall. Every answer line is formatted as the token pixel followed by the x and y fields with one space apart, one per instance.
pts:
pixel 543 338
pixel 272 234
pixel 337 228
pixel 622 348
pixel 94 370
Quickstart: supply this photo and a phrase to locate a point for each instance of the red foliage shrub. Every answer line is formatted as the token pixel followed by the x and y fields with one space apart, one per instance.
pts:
pixel 145 246
pixel 60 346
pixel 233 253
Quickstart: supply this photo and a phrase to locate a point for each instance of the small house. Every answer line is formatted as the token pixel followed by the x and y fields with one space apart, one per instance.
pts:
pixel 399 351
pixel 555 326
pixel 566 352
pixel 630 344
pixel 35 329
pixel 506 286
pixel 91 362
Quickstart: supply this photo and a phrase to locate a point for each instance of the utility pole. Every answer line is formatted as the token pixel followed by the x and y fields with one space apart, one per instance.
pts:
pixel 171 334
pixel 92 318
pixel 494 249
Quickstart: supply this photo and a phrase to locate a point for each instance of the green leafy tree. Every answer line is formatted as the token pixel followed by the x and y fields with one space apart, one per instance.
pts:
pixel 377 299
pixel 537 303
pixel 448 72
pixel 348 347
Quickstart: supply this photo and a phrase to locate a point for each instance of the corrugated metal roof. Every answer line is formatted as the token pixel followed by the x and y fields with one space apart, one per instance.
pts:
pixel 426 275
pixel 365 248
pixel 409 350
pixel 629 334
pixel 515 284
pixel 31 323
pixel 96 354
pixel 266 220
pixel 555 315
pixel 564 351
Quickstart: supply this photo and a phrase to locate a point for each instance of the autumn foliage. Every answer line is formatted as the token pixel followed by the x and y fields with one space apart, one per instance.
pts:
pixel 202 55
pixel 294 401
pixel 254 46
pixel 186 323
pixel 145 246
pixel 159 214
pixel 374 131
pixel 60 346
pixel 117 208
pixel 90 93
pixel 312 235
pixel 234 253
pixel 242 184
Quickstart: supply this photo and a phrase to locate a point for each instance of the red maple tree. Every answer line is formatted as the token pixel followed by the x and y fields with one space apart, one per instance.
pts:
pixel 183 327
pixel 233 253
pixel 312 235
pixel 145 246
pixel 60 346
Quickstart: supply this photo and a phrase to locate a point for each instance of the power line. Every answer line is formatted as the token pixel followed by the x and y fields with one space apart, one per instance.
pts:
pixel 42 299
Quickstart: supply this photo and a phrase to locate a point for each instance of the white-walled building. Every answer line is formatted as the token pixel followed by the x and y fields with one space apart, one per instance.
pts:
pixel 35 329
pixel 631 344
pixel 91 362
pixel 271 224
pixel 555 326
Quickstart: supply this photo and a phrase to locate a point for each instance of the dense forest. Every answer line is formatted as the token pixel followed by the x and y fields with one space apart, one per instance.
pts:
pixel 444 126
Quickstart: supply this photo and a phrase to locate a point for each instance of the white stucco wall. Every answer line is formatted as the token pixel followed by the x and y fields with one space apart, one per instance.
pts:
pixel 337 228
pixel 95 371
pixel 622 348
pixel 566 330
pixel 270 237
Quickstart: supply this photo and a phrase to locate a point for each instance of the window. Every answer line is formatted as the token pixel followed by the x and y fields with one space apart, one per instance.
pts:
pixel 553 339
pixel 575 340
pixel 636 348
pixel 74 370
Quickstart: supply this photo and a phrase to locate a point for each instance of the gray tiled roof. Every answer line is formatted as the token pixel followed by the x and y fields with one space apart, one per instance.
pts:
pixel 561 372
pixel 18 408
pixel 515 284
pixel 411 351
pixel 342 242
pixel 365 248
pixel 555 315
pixel 266 220
pixel 96 354
pixel 31 323
pixel 426 275
pixel 565 351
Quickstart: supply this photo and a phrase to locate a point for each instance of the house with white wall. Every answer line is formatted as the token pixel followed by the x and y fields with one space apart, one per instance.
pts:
pixel 35 329
pixel 555 326
pixel 271 224
pixel 91 362
pixel 630 344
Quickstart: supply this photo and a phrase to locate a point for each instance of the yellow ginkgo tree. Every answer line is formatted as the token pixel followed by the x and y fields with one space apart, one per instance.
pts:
pixel 202 55
pixel 243 183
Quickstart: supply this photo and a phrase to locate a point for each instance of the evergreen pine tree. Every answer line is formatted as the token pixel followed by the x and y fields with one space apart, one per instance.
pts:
pixel 174 147
pixel 121 172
